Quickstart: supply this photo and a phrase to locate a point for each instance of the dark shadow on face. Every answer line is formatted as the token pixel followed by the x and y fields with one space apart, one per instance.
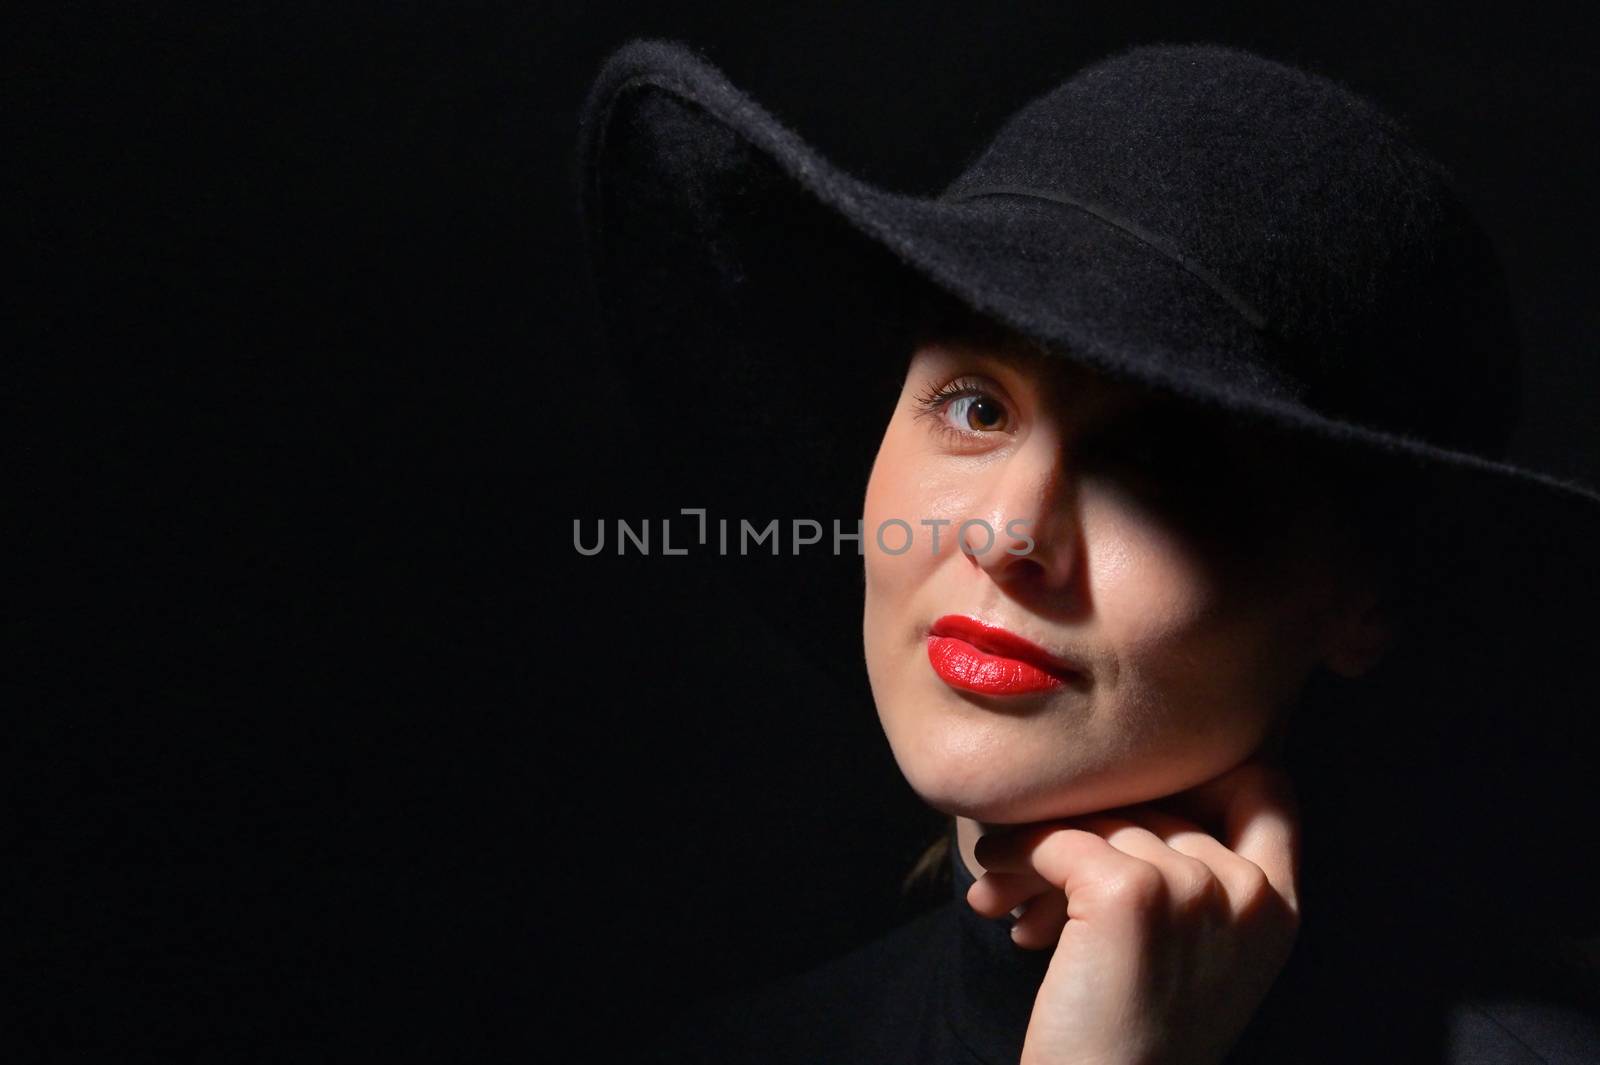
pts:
pixel 1258 501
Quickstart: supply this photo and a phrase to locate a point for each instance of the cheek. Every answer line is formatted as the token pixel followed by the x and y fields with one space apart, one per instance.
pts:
pixel 1151 592
pixel 1196 672
pixel 902 491
pixel 891 495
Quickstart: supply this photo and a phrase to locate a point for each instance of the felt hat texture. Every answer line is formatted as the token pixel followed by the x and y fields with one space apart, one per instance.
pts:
pixel 1254 239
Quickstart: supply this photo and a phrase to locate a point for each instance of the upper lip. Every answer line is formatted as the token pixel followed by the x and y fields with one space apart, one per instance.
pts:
pixel 999 641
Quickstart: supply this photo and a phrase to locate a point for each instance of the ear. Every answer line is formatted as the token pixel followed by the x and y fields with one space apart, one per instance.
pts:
pixel 1358 635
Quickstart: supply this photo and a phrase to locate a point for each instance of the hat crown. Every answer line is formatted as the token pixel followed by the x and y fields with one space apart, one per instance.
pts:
pixel 1311 209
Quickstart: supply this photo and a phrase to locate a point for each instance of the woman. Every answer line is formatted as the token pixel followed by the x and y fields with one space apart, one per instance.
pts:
pixel 1205 379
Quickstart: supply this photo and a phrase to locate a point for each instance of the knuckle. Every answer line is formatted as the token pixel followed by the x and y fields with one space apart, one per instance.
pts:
pixel 1195 888
pixel 1255 889
pixel 1141 888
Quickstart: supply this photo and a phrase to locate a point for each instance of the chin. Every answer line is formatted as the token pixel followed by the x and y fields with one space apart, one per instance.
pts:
pixel 962 776
pixel 960 782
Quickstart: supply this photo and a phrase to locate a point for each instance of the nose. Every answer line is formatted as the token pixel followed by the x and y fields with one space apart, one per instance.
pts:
pixel 1025 528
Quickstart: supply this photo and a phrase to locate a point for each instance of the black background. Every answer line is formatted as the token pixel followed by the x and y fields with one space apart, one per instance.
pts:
pixel 329 742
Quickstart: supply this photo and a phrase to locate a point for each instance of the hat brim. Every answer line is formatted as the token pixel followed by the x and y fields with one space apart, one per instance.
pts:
pixel 668 141
pixel 726 248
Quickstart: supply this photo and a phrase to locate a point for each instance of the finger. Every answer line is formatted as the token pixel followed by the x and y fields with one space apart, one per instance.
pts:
pixel 1039 927
pixel 1263 826
pixel 1190 882
pixel 1242 879
pixel 997 894
pixel 1258 817
pixel 1100 881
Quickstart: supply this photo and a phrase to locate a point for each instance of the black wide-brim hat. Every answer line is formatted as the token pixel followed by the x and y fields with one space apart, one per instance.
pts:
pixel 1252 238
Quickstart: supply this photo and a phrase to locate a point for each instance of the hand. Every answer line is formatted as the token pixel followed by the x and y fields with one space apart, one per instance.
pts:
pixel 1166 937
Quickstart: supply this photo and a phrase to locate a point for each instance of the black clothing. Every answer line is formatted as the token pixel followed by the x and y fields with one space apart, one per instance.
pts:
pixel 950 987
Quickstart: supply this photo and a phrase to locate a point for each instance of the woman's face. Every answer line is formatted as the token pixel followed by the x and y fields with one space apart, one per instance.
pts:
pixel 1175 637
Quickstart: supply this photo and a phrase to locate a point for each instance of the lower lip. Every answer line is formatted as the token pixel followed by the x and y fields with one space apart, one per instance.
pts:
pixel 961 665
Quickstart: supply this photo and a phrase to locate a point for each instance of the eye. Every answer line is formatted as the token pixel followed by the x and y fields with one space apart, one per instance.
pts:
pixel 979 413
pixel 966 408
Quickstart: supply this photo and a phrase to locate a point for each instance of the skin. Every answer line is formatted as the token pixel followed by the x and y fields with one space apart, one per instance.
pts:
pixel 1141 803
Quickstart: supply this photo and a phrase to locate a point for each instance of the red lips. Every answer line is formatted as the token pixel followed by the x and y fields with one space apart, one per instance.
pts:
pixel 972 656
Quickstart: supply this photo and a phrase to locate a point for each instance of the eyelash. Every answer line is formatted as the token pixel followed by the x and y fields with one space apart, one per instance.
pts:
pixel 933 400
